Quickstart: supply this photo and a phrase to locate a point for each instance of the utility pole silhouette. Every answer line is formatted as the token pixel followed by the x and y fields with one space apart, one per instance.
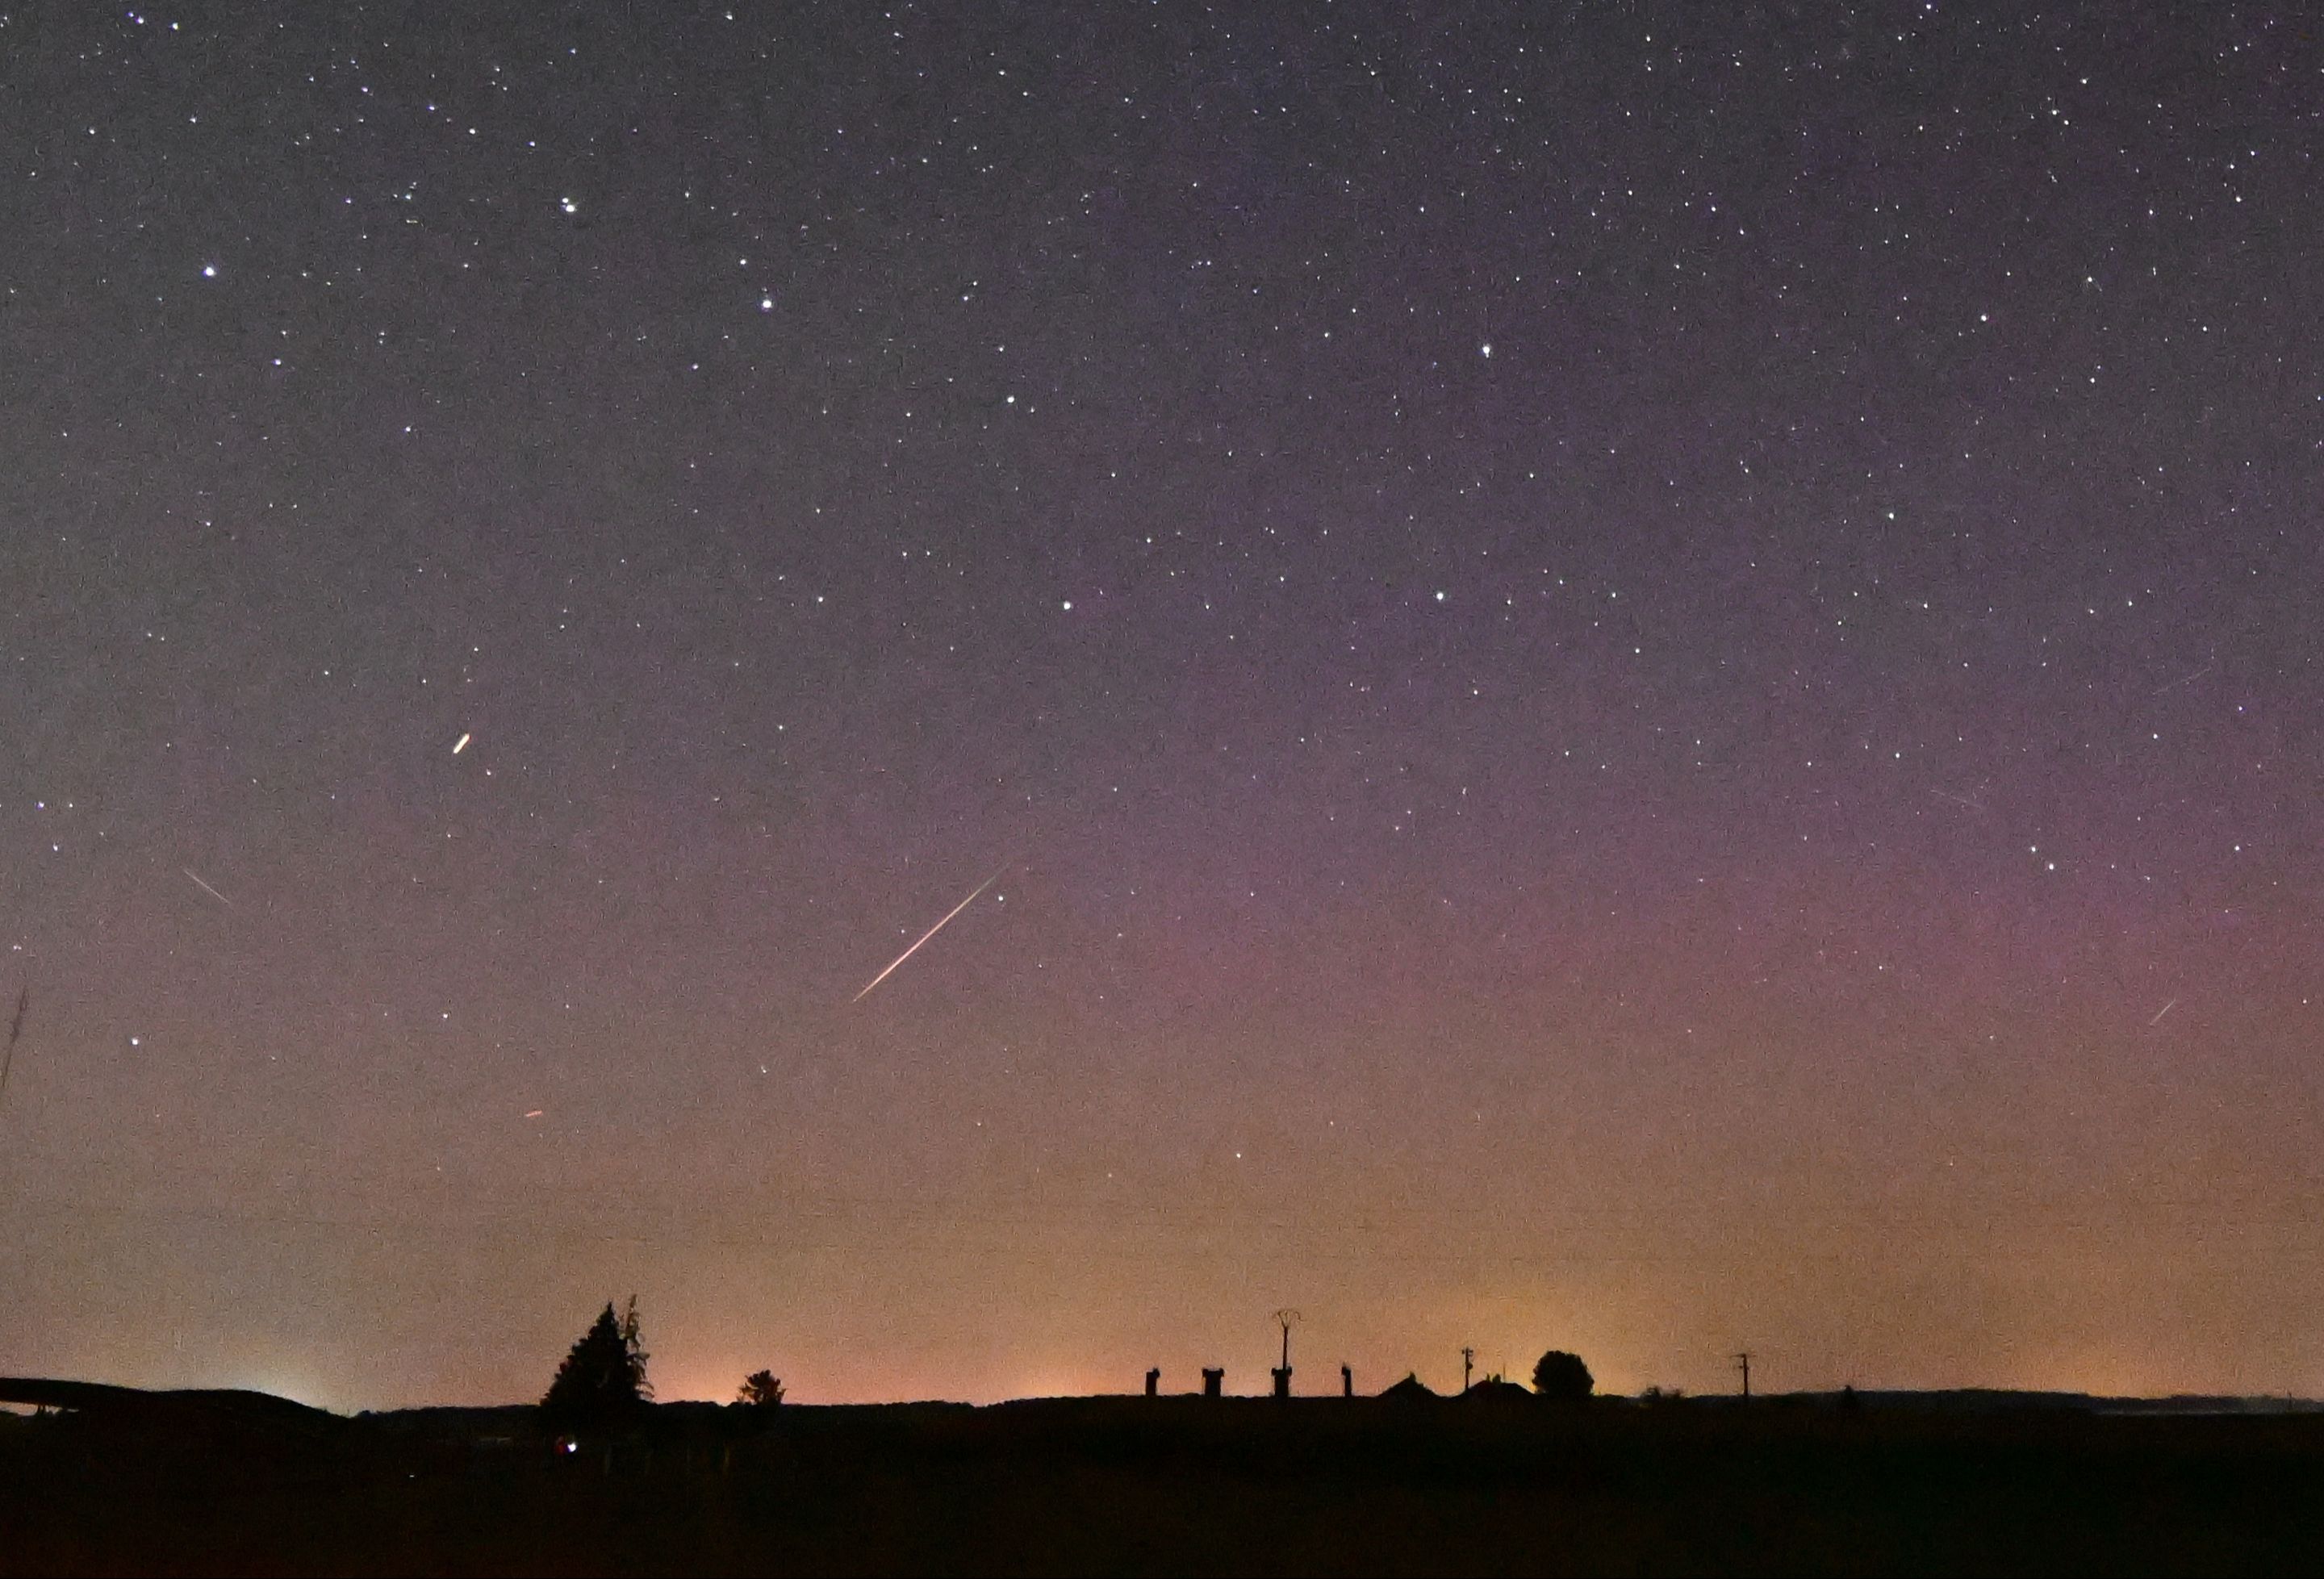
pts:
pixel 1468 1363
pixel 1743 1360
pixel 1284 1318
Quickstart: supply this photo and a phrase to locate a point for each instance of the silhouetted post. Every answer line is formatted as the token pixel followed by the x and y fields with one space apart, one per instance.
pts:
pixel 1211 1376
pixel 1347 1382
pixel 1744 1360
pixel 1468 1363
pixel 1153 1381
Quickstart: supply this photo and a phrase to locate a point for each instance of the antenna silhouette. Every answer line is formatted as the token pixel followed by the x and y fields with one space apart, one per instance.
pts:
pixel 1468 1363
pixel 1284 1318
pixel 1743 1361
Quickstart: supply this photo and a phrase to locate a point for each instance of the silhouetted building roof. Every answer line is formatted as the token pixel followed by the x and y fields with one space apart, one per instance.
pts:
pixel 1494 1390
pixel 1411 1387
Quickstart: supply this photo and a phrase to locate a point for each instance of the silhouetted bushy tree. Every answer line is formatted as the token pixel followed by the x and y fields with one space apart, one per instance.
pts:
pixel 604 1378
pixel 1563 1377
pixel 760 1390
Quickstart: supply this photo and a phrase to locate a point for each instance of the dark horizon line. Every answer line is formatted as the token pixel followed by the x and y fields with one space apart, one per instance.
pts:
pixel 64 1393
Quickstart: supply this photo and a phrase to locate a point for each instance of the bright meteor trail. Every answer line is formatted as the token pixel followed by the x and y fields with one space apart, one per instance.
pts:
pixel 931 932
pixel 206 887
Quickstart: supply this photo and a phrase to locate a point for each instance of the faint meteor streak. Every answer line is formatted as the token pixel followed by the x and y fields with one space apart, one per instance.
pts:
pixel 931 932
pixel 2161 1012
pixel 206 887
pixel 461 745
pixel 16 1030
pixel 1960 800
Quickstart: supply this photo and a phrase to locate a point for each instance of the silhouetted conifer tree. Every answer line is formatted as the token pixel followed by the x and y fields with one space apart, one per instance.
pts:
pixel 604 1376
pixel 760 1390
pixel 636 1351
pixel 1562 1376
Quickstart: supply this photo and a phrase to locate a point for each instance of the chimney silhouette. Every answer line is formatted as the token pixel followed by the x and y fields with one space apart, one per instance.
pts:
pixel 1347 1382
pixel 1211 1377
pixel 1153 1381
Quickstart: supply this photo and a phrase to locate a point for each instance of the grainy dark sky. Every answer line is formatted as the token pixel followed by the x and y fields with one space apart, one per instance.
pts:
pixel 1642 678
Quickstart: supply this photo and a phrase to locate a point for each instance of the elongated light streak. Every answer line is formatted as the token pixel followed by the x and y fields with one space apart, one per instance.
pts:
pixel 206 887
pixel 931 932
pixel 16 1030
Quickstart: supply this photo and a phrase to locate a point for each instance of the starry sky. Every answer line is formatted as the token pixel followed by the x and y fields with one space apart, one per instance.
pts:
pixel 1640 678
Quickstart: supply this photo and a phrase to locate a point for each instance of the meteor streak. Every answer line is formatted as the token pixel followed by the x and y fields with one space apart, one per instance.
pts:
pixel 16 1030
pixel 2163 1011
pixel 931 932
pixel 206 887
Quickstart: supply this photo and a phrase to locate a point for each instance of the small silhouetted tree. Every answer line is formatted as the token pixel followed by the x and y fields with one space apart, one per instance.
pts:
pixel 760 1390
pixel 1563 1377
pixel 604 1378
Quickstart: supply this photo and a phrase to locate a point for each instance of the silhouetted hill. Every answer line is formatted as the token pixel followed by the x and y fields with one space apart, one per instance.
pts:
pixel 1977 1401
pixel 1890 1483
pixel 254 1410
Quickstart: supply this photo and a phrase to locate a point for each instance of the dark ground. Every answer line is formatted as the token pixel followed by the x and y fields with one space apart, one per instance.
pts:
pixel 1175 1485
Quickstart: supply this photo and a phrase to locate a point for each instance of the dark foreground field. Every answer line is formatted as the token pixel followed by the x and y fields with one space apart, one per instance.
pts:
pixel 1173 1485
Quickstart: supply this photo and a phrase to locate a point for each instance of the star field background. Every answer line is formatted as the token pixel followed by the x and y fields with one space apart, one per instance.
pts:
pixel 1647 679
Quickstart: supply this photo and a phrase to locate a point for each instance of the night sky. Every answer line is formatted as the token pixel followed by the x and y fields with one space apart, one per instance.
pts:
pixel 1641 678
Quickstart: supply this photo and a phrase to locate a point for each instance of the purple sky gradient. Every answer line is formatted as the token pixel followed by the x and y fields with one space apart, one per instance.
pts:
pixel 1649 681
